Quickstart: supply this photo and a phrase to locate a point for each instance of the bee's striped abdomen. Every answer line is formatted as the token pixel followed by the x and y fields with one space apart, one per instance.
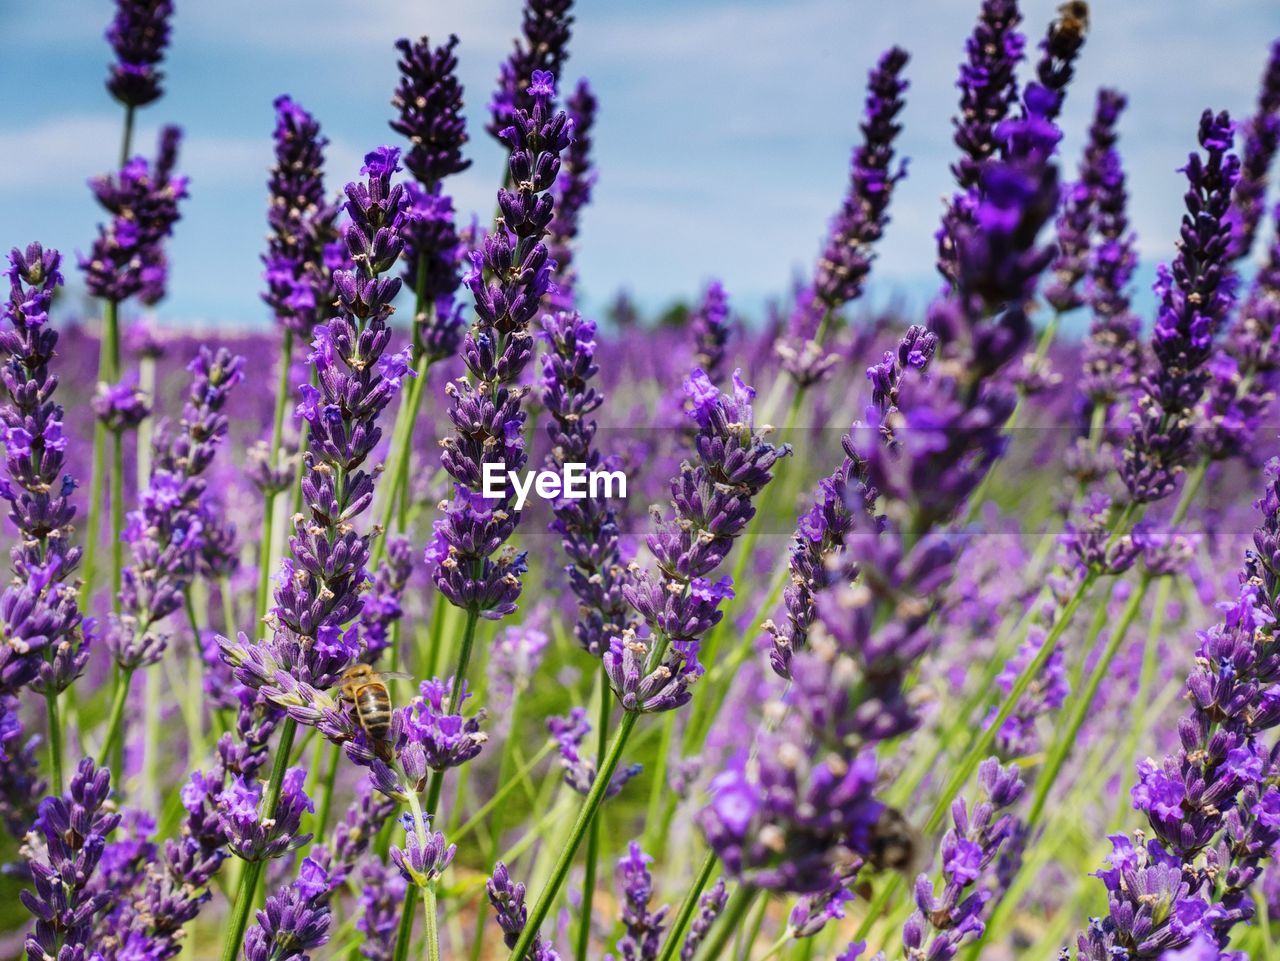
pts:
pixel 373 704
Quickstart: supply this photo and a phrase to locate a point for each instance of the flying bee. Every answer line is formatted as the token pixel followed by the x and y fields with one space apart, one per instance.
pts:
pixel 894 845
pixel 366 691
pixel 1074 17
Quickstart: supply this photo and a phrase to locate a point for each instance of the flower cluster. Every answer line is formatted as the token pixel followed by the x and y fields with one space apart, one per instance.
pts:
pixel 713 504
pixel 579 772
pixel 711 331
pixel 509 278
pixel 138 35
pixel 127 258
pixel 588 527
pixel 1261 136
pixel 542 47
pixel 166 533
pixel 303 247
pixel 1195 295
pixel 573 193
pixel 44 628
pixel 428 102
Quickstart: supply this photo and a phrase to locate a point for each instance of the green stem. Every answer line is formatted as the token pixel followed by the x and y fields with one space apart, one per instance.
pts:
pixel 117 516
pixel 404 934
pixel 115 721
pixel 241 909
pixel 688 907
pixel 436 785
pixel 429 913
pixel 108 371
pixel 728 923
pixel 327 789
pixel 565 860
pixel 126 136
pixel 1082 704
pixel 247 890
pixel 268 506
pixel 593 832
pixel 55 741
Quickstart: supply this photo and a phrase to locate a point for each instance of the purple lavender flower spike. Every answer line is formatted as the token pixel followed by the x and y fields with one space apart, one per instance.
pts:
pixel 255 837
pixel 709 908
pixel 20 784
pixel 1058 52
pixel 423 860
pixel 46 635
pixel 295 920
pixel 580 772
pixel 318 592
pixel 988 87
pixel 846 260
pixel 382 895
pixel 1112 353
pixel 711 329
pixel 967 851
pixel 573 193
pixel 127 259
pixel 588 527
pixel 712 501
pixel 542 46
pixel 165 533
pixel 121 407
pixel 507 899
pixel 486 409
pixel 62 855
pixel 353 837
pixel 138 34
pixel 1195 296
pixel 644 927
pixel 381 605
pixel 1261 141
pixel 1211 802
pixel 303 233
pixel 428 102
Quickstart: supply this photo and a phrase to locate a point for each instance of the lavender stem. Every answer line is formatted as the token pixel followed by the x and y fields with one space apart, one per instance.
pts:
pixel 269 501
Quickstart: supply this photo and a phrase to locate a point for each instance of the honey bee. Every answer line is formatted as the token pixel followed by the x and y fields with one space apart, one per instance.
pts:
pixel 894 845
pixel 366 691
pixel 1073 16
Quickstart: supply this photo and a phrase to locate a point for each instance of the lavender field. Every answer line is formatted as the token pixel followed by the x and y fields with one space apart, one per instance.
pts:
pixel 457 613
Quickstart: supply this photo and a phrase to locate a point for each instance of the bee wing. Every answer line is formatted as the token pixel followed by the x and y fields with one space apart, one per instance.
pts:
pixel 395 676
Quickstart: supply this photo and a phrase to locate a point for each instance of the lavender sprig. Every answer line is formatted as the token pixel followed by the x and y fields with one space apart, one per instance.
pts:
pixel 138 35
pixel 542 47
pixel 1261 141
pixel 573 193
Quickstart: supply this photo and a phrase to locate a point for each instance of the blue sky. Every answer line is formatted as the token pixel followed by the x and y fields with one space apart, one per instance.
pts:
pixel 722 144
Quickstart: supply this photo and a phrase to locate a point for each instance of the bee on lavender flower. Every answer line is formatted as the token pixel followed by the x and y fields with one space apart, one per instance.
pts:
pixel 365 690
pixel 894 844
pixel 1073 17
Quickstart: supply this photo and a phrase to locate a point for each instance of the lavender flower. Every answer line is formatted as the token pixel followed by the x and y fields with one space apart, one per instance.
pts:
pixel 1211 803
pixel 319 587
pixel 45 631
pixel 845 262
pixel 588 527
pixel 1058 52
pixel 127 258
pixel 303 242
pixel 988 87
pixel 573 193
pixel 1195 296
pixel 20 784
pixel 62 854
pixel 382 894
pixel 1112 352
pixel 423 859
pixel 381 604
pixel 295 920
pixel 138 34
pixel 643 935
pixel 711 330
pixel 1261 141
pixel 255 836
pixel 507 900
pixel 709 908
pixel 486 413
pixel 121 407
pixel 967 851
pixel 165 533
pixel 580 772
pixel 543 46
pixel 712 501
pixel 428 101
